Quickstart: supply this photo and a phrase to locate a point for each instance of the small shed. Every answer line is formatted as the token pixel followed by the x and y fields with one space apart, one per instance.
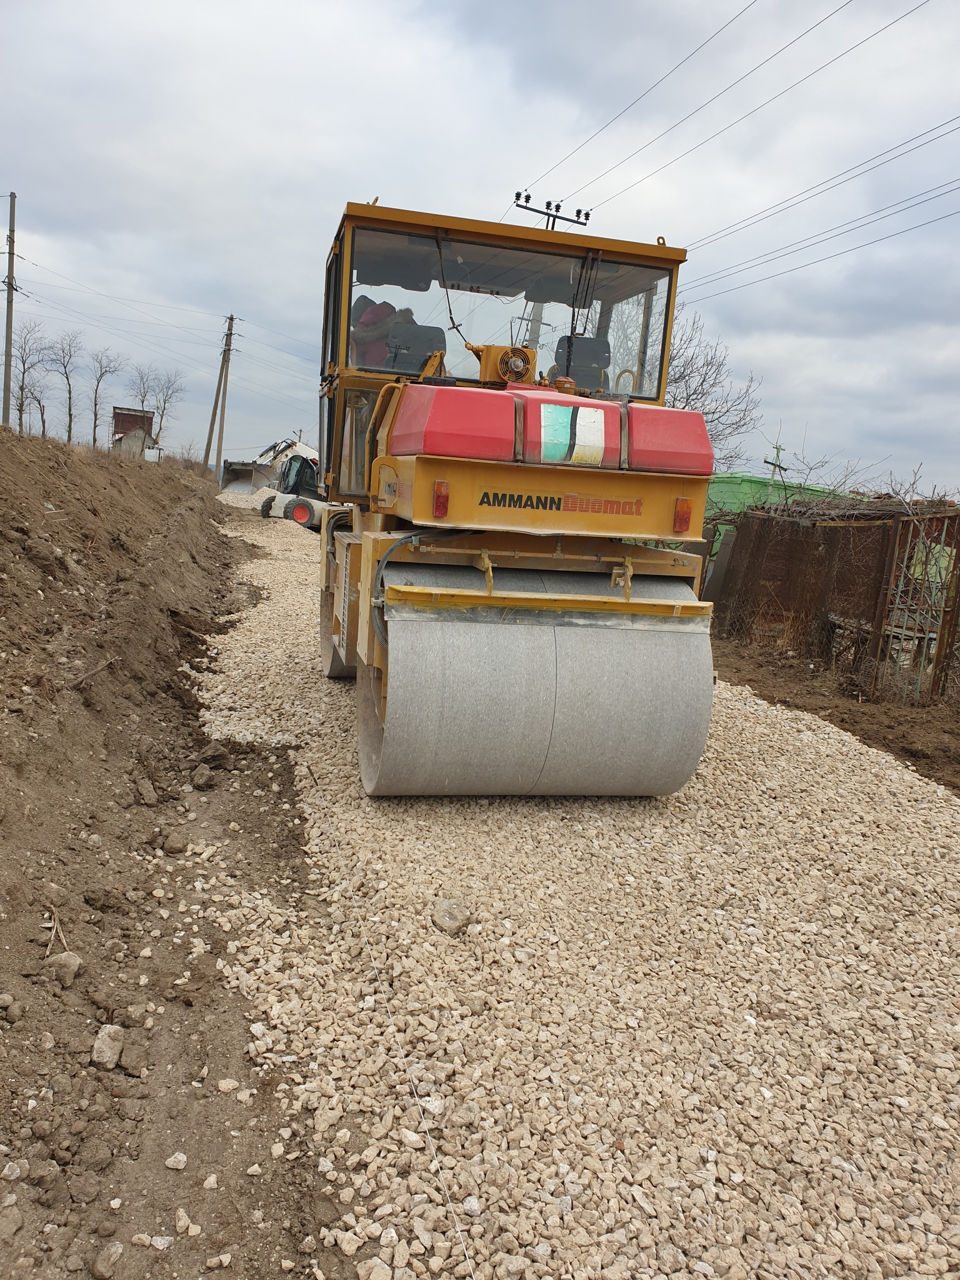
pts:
pixel 133 430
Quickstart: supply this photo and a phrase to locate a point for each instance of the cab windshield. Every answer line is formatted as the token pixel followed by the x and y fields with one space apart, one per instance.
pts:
pixel 588 317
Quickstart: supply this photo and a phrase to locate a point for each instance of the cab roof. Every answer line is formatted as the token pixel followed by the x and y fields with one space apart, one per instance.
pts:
pixel 375 215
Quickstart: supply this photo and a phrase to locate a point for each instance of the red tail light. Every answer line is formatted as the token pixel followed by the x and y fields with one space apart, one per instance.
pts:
pixel 441 499
pixel 682 513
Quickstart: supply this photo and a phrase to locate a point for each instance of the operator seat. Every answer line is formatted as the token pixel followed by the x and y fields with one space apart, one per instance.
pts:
pixel 585 360
pixel 410 346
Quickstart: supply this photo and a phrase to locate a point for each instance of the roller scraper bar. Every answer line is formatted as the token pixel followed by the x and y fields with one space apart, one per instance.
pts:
pixel 620 610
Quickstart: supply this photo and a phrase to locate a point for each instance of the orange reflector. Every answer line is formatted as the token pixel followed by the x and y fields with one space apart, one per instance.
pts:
pixel 682 513
pixel 301 513
pixel 441 499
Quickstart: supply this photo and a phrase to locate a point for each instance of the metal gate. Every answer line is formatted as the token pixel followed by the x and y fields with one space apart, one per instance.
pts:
pixel 914 639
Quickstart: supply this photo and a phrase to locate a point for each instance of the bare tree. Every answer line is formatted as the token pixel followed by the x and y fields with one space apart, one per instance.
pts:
pixel 103 364
pixel 30 354
pixel 167 390
pixel 65 352
pixel 699 376
pixel 909 492
pixel 36 395
pixel 800 470
pixel 141 383
pixel 700 379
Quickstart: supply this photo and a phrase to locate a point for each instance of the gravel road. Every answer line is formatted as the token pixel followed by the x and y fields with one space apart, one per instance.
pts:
pixel 715 1034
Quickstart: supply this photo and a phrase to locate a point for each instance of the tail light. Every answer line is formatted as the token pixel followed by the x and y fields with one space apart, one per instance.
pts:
pixel 441 499
pixel 682 513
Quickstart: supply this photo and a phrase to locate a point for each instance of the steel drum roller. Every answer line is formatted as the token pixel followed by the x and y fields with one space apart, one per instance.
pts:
pixel 496 701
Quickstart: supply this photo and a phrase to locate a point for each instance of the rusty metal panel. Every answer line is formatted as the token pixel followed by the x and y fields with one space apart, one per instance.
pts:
pixel 876 598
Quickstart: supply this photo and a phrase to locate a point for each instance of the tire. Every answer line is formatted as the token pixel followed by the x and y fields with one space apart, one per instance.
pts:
pixel 265 506
pixel 302 512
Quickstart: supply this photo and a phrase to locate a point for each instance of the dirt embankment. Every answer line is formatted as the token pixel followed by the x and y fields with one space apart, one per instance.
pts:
pixel 111 572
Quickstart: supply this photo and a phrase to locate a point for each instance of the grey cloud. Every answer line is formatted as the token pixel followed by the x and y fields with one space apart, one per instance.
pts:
pixel 201 155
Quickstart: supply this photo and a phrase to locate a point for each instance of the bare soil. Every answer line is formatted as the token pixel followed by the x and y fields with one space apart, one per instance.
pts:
pixel 112 572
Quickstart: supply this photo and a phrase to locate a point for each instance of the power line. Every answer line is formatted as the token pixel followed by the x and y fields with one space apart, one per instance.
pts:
pixel 312 359
pixel 858 170
pixel 112 297
pixel 656 84
pixel 107 324
pixel 747 114
pixel 829 257
pixel 703 105
pixel 66 288
pixel 126 328
pixel 830 233
pixel 169 324
pixel 289 336
pixel 164 305
pixel 305 405
pixel 98 322
pixel 269 364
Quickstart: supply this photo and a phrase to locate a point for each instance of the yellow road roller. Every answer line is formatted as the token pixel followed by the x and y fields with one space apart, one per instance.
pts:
pixel 505 507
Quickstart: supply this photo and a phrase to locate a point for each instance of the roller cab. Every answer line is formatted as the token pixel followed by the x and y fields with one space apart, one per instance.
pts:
pixel 505 514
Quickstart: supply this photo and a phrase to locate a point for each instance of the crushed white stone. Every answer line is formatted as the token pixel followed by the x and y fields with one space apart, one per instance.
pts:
pixel 713 1034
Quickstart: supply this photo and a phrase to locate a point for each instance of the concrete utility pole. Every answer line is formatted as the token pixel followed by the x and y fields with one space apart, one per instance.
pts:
pixel 223 398
pixel 213 416
pixel 224 359
pixel 11 290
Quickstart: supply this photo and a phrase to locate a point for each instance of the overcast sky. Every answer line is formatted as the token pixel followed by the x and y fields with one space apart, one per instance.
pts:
pixel 177 162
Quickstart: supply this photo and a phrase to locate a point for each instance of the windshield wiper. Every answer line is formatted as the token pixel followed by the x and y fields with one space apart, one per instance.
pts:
pixel 582 300
pixel 443 283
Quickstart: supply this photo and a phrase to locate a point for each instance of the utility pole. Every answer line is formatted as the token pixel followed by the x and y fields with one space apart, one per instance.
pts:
pixel 775 465
pixel 213 416
pixel 223 398
pixel 11 290
pixel 221 390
